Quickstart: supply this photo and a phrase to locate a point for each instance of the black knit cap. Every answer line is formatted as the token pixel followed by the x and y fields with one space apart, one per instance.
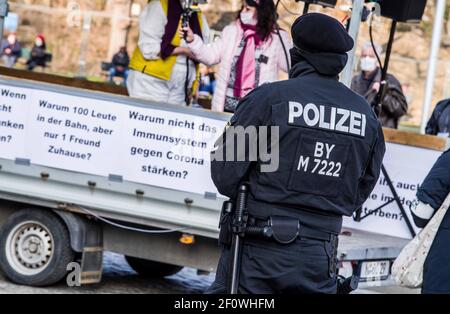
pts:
pixel 316 32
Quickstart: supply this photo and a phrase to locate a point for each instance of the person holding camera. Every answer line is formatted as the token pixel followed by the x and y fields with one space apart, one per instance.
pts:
pixel 251 51
pixel 161 65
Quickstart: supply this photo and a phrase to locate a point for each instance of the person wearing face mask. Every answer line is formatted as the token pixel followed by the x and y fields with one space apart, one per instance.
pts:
pixel 158 66
pixel 38 54
pixel 368 83
pixel 11 50
pixel 250 53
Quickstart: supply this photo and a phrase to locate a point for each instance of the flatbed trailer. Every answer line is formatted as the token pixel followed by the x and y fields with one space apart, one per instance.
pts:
pixel 51 217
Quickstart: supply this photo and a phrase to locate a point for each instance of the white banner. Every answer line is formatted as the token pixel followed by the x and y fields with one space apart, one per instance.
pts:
pixel 14 108
pixel 407 167
pixel 143 145
pixel 74 133
pixel 162 148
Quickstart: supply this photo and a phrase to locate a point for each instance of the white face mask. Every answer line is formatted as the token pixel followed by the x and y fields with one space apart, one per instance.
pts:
pixel 248 18
pixel 368 64
pixel 11 40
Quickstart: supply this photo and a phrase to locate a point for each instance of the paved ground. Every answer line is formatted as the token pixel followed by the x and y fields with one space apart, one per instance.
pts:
pixel 120 278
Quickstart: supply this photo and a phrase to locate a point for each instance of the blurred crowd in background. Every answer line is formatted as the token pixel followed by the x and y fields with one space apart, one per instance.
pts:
pixel 251 50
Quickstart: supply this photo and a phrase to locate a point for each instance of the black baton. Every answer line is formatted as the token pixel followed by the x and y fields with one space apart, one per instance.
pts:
pixel 238 234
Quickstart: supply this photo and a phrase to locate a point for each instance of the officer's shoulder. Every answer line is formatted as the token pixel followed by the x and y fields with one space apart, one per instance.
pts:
pixel 264 90
pixel 259 97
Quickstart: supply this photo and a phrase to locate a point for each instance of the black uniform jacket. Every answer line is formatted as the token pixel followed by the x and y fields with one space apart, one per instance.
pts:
pixel 331 147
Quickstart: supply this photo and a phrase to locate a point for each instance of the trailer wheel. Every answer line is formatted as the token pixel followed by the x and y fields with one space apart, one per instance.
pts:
pixel 151 269
pixel 35 248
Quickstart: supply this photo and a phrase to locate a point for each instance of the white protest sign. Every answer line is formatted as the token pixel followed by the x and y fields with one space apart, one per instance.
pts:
pixel 73 133
pixel 13 121
pixel 407 167
pixel 157 147
pixel 169 149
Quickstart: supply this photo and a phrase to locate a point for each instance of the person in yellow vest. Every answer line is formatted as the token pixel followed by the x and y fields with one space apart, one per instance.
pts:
pixel 159 67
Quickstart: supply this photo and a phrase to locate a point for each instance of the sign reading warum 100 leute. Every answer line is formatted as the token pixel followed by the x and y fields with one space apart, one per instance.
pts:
pixel 143 145
pixel 160 147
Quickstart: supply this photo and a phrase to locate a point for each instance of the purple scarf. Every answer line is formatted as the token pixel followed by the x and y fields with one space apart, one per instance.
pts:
pixel 173 21
pixel 246 64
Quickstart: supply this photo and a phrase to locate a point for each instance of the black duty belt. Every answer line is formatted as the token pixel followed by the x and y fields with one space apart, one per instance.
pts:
pixel 283 230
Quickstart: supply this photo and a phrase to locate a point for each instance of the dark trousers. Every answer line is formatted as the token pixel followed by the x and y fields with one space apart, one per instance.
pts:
pixel 436 271
pixel 304 267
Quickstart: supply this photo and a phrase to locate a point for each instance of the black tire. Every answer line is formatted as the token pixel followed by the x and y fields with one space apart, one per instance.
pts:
pixel 55 238
pixel 151 269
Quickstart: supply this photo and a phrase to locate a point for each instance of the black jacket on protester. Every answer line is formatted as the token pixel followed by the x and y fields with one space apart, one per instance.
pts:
pixel 436 186
pixel 121 59
pixel 38 56
pixel 316 189
pixel 440 119
pixel 433 191
pixel 16 49
pixel 394 104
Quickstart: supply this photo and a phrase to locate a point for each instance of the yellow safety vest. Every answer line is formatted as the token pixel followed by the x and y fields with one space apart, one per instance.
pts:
pixel 160 68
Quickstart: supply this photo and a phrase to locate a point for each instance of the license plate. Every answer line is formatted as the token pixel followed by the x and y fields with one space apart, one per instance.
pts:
pixel 375 270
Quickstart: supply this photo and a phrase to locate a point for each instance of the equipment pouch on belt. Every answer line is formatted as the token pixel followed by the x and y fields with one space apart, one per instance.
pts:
pixel 225 225
pixel 285 229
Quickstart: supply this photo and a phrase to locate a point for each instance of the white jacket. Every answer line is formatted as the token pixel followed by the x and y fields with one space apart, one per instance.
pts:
pixel 223 51
pixel 152 24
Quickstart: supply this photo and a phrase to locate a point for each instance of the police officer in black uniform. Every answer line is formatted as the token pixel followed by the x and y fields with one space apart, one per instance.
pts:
pixel 331 148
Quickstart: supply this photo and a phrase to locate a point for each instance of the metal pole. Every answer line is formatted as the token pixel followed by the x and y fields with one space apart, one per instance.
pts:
pixel 389 50
pixel 84 45
pixel 434 54
pixel 355 23
pixel 4 8
pixel 306 8
pixel 398 201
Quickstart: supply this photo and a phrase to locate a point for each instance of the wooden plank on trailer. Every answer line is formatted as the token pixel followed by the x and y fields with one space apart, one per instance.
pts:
pixel 65 81
pixel 415 140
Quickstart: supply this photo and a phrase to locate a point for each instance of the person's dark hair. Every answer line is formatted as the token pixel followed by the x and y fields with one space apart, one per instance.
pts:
pixel 267 18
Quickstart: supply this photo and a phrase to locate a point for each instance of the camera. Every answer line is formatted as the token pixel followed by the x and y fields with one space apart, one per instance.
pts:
pixel 190 7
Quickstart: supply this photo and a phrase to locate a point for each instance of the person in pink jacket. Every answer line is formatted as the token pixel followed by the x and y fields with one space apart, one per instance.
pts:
pixel 251 51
